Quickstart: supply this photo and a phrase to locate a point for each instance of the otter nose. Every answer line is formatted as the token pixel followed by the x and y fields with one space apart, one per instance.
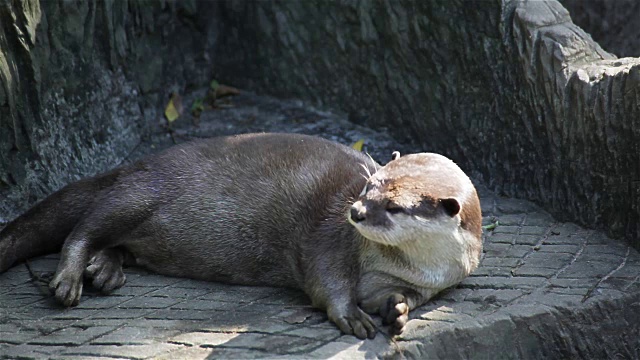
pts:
pixel 358 212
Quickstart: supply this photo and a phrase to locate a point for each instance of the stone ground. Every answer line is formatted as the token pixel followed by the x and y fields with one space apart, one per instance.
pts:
pixel 544 288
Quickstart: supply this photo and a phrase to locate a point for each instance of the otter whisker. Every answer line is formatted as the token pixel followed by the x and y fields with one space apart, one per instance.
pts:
pixel 375 166
pixel 366 169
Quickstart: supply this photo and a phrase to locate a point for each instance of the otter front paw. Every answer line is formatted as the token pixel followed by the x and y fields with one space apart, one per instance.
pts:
pixel 67 288
pixel 395 313
pixel 353 321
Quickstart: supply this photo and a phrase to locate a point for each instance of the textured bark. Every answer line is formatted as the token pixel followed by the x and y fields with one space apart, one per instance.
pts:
pixel 513 91
pixel 81 81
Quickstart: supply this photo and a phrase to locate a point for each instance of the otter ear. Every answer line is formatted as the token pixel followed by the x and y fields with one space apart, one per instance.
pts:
pixel 451 206
pixel 395 155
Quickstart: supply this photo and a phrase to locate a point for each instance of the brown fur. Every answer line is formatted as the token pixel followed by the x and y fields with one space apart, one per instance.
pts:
pixel 256 209
pixel 421 218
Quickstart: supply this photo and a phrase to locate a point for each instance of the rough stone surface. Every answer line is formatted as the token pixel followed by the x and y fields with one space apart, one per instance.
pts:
pixel 611 23
pixel 517 94
pixel 545 288
pixel 512 90
pixel 80 82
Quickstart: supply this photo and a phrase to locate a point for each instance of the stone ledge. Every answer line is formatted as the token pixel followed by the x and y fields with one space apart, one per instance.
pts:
pixel 544 289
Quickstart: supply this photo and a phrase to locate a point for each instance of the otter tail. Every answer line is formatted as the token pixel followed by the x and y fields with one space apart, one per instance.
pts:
pixel 43 229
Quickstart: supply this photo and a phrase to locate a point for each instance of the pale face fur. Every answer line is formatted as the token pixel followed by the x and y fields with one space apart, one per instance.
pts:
pixel 416 205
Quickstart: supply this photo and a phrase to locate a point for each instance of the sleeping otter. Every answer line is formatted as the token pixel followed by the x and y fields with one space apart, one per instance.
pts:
pixel 266 209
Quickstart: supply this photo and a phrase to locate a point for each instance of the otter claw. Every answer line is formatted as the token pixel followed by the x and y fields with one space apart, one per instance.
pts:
pixel 355 322
pixel 107 275
pixel 67 291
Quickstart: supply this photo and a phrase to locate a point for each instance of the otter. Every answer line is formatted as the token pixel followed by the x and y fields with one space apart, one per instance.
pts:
pixel 266 209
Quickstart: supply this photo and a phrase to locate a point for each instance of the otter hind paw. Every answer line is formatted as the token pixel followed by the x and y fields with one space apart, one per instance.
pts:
pixel 395 313
pixel 106 272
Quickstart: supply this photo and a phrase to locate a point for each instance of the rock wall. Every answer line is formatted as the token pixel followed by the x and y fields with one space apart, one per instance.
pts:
pixel 608 329
pixel 613 24
pixel 512 90
pixel 80 82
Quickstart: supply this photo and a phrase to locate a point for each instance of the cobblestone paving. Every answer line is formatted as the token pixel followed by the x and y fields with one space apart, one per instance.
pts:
pixel 532 265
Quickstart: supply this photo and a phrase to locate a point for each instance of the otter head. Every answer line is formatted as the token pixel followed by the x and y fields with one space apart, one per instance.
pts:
pixel 416 198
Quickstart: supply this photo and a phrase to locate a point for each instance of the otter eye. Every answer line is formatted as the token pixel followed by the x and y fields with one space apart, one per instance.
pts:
pixel 393 208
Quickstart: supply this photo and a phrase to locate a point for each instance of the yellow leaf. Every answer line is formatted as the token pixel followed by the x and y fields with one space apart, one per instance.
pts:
pixel 174 108
pixel 358 145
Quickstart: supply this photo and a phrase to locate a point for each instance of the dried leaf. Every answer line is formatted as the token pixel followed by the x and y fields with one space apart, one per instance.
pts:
pixel 358 145
pixel 224 90
pixel 217 90
pixel 174 108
